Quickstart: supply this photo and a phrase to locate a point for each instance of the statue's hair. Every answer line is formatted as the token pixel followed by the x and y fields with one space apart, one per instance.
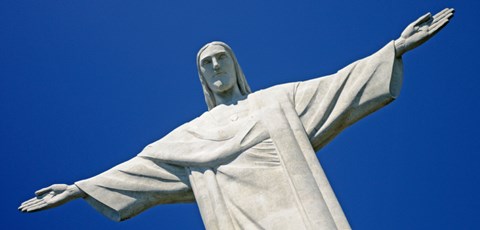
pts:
pixel 241 81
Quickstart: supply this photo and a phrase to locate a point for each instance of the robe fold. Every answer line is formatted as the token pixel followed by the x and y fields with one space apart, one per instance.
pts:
pixel 253 165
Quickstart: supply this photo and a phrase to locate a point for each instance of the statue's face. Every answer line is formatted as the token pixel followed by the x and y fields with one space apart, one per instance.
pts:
pixel 218 69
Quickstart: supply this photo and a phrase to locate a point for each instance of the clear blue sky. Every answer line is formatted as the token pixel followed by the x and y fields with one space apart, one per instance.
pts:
pixel 85 85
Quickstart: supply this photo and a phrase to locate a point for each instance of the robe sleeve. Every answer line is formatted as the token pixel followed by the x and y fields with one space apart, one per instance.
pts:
pixel 327 105
pixel 136 185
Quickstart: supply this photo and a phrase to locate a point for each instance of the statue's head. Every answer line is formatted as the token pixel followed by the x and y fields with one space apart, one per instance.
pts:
pixel 219 72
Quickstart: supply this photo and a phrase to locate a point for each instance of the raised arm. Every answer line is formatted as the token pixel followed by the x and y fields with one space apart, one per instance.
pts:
pixel 52 196
pixel 421 30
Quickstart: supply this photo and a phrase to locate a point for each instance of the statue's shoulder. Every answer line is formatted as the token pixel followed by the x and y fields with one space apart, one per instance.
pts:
pixel 280 88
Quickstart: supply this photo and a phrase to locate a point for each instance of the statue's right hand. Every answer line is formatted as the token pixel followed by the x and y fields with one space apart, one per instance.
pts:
pixel 50 197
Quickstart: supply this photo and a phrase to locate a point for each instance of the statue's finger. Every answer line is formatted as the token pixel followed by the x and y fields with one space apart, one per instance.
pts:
pixel 445 17
pixel 36 202
pixel 444 14
pixel 448 11
pixel 29 203
pixel 423 19
pixel 27 206
pixel 438 26
pixel 36 207
pixel 43 191
pixel 441 12
pixel 35 198
pixel 33 205
pixel 23 206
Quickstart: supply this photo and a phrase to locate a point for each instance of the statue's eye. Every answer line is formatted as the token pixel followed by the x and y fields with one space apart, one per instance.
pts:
pixel 222 56
pixel 206 62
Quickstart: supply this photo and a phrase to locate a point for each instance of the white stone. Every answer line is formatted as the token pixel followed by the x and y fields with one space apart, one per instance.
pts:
pixel 249 162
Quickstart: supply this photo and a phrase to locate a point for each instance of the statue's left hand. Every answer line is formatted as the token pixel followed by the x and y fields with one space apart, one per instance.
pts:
pixel 51 197
pixel 421 30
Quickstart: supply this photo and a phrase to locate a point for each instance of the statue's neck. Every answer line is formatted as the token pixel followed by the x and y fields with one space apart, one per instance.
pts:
pixel 229 97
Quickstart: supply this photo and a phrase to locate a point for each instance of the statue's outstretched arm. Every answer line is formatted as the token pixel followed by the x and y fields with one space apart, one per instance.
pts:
pixel 421 30
pixel 52 196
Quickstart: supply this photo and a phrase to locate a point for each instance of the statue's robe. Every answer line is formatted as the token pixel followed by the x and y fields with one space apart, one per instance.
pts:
pixel 253 165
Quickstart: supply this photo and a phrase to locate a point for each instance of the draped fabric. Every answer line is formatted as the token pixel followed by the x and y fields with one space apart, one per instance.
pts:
pixel 252 165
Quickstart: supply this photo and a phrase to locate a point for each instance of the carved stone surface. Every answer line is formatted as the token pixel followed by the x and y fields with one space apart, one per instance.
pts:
pixel 249 162
pixel 252 164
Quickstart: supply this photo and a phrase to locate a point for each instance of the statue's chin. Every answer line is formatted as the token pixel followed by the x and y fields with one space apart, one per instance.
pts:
pixel 218 84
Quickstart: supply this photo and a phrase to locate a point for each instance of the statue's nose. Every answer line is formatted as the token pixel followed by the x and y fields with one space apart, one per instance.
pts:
pixel 216 66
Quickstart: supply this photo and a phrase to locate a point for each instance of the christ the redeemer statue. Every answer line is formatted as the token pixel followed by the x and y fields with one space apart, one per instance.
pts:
pixel 249 162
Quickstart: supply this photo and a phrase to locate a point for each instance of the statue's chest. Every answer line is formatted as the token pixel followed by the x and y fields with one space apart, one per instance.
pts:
pixel 225 122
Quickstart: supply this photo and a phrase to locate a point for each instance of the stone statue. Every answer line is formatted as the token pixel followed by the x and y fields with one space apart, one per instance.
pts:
pixel 249 162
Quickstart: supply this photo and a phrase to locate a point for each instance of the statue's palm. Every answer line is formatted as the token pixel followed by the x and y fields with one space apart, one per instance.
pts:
pixel 424 28
pixel 46 198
